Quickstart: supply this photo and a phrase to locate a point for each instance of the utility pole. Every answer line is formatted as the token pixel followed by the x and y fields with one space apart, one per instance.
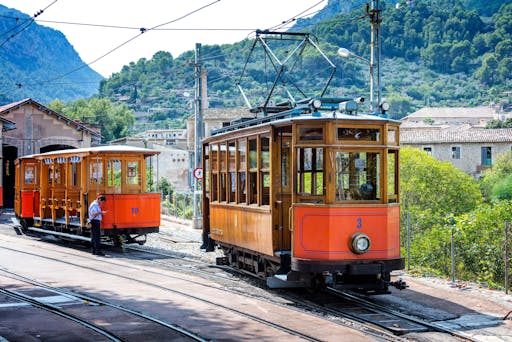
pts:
pixel 375 18
pixel 198 113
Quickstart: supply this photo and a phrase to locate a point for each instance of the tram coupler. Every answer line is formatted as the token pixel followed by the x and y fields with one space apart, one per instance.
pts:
pixel 399 284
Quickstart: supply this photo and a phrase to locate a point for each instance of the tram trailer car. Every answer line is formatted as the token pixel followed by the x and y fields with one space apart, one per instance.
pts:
pixel 307 197
pixel 53 192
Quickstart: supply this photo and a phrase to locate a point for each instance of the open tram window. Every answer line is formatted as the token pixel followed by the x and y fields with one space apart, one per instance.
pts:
pixel 393 176
pixel 357 176
pixel 310 168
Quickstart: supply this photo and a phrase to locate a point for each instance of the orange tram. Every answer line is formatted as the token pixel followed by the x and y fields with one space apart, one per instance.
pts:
pixel 53 192
pixel 307 196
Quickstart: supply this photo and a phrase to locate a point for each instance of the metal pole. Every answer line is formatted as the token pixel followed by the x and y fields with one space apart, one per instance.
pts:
pixel 408 241
pixel 198 134
pixel 453 254
pixel 506 258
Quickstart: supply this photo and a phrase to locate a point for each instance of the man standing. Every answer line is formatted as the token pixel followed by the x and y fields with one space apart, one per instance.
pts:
pixel 95 216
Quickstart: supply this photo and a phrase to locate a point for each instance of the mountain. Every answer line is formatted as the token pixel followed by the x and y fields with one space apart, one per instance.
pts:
pixel 434 53
pixel 38 62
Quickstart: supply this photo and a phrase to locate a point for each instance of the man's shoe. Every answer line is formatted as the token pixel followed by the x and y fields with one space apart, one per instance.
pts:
pixel 100 254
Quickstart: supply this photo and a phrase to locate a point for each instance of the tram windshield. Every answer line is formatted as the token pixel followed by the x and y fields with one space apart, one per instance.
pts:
pixel 357 176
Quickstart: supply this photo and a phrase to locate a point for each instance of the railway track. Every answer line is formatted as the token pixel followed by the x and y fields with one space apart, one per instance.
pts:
pixel 40 295
pixel 234 307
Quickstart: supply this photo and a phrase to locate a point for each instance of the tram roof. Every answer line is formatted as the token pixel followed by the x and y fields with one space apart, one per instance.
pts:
pixel 290 117
pixel 97 149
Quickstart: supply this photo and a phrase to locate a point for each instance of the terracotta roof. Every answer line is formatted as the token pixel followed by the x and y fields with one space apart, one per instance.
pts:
pixel 459 134
pixel 453 112
pixel 15 105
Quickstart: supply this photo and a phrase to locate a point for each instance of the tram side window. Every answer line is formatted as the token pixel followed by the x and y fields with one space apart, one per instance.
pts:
pixel 74 174
pixel 96 173
pixel 357 176
pixel 132 172
pixel 231 171
pixel 214 149
pixel 54 174
pixel 310 168
pixel 265 170
pixel 242 188
pixel 393 176
pixel 223 173
pixel 253 171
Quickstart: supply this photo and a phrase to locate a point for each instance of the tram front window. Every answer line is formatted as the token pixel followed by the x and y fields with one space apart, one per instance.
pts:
pixel 357 176
pixel 310 180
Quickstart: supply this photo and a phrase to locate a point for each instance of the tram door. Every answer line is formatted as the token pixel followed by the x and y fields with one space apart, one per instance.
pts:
pixel 282 189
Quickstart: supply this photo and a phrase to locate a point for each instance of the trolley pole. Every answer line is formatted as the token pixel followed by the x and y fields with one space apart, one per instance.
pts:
pixel 375 54
pixel 198 112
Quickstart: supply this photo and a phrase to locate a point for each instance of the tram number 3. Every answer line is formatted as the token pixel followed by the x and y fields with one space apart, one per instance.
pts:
pixel 359 222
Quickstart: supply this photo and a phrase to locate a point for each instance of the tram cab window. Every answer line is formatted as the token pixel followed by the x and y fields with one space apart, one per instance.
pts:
pixel 96 173
pixel 223 173
pixel 310 178
pixel 29 174
pixel 114 173
pixel 393 176
pixel 357 176
pixel 132 172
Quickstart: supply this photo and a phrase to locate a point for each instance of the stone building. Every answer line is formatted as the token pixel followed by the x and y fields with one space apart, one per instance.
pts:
pixel 38 129
pixel 457 135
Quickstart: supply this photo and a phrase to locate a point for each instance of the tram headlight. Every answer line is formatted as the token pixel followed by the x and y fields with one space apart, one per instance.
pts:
pixel 360 243
pixel 315 103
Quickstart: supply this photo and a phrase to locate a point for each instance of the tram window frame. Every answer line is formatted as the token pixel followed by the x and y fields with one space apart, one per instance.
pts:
pixel 214 155
pixel 96 171
pixel 253 162
pixel 264 170
pixel 316 181
pixel 231 171
pixel 242 171
pixel 357 134
pixel 133 174
pixel 114 173
pixel 29 175
pixel 223 178
pixel 393 167
pixel 311 134
pixel 393 136
pixel 355 179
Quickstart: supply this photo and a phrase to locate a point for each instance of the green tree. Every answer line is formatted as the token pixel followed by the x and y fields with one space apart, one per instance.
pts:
pixel 495 182
pixel 431 189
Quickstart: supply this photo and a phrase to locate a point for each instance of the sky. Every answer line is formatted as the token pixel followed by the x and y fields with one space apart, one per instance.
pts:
pixel 189 22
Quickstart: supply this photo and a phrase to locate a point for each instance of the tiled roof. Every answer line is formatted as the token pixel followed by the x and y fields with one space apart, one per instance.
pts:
pixel 15 105
pixel 460 134
pixel 453 112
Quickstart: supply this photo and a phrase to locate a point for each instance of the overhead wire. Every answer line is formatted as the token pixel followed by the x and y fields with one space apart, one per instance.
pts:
pixel 27 24
pixel 142 30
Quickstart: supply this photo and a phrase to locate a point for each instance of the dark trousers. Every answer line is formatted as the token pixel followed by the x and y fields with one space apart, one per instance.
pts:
pixel 95 236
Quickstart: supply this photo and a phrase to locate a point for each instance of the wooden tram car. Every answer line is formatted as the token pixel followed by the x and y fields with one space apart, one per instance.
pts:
pixel 306 194
pixel 53 192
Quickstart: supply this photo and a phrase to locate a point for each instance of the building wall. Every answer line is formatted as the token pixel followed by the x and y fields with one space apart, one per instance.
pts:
pixel 470 154
pixel 36 129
